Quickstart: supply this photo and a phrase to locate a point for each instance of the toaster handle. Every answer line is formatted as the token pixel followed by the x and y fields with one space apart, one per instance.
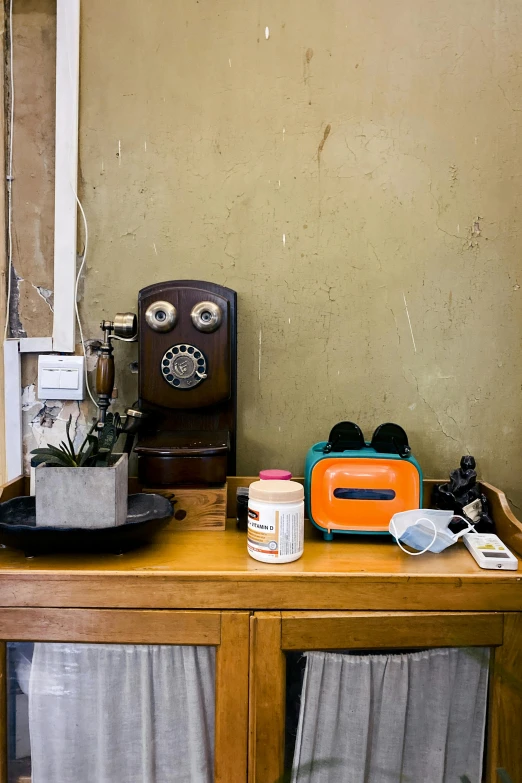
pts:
pixel 345 436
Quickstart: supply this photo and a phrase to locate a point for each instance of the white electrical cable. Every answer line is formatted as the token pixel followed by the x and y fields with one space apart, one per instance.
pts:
pixel 80 270
pixel 10 176
pixel 85 248
pixel 10 215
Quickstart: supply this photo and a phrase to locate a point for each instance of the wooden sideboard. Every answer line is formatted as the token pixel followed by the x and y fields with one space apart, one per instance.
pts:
pixel 201 587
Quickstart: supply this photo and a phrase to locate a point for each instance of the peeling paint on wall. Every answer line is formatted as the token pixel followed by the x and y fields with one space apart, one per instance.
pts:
pixel 46 294
pixel 34 35
pixel 45 421
pixel 16 328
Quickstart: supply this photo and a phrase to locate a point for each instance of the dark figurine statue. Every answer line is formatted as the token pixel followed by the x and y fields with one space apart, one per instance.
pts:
pixel 462 496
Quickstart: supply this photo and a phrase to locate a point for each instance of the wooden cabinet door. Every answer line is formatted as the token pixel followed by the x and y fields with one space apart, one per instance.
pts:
pixel 273 634
pixel 228 632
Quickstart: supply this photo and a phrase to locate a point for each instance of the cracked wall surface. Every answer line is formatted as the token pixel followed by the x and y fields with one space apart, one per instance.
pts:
pixel 44 421
pixel 31 306
pixel 34 51
pixel 355 176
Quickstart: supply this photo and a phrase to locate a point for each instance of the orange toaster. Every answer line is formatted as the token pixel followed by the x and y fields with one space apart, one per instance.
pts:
pixel 356 487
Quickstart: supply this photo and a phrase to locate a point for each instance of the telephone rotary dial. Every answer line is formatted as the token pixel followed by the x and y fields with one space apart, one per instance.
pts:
pixel 184 366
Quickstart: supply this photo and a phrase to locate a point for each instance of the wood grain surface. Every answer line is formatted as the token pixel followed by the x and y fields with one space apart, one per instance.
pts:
pixel 212 570
pixel 230 759
pixel 358 580
pixel 509 529
pixel 105 374
pixel 362 631
pixel 14 488
pixel 504 750
pixel 3 252
pixel 266 746
pixel 202 508
pixel 104 625
pixel 3 712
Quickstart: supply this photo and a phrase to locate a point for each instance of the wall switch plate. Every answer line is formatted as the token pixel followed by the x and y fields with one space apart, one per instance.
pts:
pixel 61 377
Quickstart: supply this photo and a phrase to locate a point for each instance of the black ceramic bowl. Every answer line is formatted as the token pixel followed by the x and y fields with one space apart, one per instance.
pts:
pixel 146 514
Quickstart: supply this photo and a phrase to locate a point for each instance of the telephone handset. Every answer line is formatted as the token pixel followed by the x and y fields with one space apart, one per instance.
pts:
pixel 124 327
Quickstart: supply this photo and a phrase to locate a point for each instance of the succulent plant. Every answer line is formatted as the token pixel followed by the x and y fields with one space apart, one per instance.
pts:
pixel 95 451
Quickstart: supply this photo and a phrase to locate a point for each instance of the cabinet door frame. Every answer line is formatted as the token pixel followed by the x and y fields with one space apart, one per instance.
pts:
pixel 228 632
pixel 272 634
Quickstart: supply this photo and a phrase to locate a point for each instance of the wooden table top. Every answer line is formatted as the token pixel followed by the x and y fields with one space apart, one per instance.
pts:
pixel 213 570
pixel 224 554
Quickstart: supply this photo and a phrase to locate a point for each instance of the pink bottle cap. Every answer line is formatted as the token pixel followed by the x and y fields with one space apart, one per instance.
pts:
pixel 278 475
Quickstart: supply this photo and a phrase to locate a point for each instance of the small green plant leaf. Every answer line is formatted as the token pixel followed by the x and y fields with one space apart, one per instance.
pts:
pixel 96 450
pixel 48 459
pixel 65 448
pixel 91 452
pixel 38 459
pixel 68 431
pixel 51 451
pixel 86 456
pixel 86 439
pixel 62 453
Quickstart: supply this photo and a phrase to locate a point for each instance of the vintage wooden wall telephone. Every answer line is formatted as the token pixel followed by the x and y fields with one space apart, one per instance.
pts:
pixel 185 416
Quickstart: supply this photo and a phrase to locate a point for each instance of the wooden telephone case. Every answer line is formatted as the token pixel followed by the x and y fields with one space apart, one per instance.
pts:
pixel 187 380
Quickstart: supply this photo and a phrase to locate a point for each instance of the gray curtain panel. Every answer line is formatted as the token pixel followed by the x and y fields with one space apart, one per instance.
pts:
pixel 107 713
pixel 392 718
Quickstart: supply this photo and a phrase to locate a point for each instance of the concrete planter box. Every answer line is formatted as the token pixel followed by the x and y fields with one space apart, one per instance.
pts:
pixel 82 497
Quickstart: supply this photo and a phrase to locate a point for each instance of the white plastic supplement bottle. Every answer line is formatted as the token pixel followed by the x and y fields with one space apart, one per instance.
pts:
pixel 275 521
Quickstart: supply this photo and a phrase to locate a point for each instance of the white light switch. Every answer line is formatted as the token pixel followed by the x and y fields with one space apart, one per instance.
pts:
pixel 49 379
pixel 60 377
pixel 69 379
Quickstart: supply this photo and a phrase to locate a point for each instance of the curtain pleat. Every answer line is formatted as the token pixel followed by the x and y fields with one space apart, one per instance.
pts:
pixel 411 718
pixel 107 713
